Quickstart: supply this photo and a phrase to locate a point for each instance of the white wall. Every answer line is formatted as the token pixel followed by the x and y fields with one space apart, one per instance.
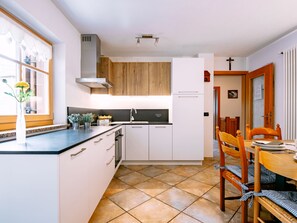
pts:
pixel 271 54
pixel 230 107
pixel 239 63
pixel 208 104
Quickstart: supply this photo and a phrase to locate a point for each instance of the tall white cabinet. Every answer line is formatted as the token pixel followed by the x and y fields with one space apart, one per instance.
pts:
pixel 188 108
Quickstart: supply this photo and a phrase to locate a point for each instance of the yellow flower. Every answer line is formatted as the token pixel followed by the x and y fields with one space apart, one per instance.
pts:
pixel 22 84
pixel 23 92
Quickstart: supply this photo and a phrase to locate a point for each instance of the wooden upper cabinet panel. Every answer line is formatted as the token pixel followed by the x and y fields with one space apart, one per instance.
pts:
pixel 159 78
pixel 104 67
pixel 137 79
pixel 118 78
pixel 103 71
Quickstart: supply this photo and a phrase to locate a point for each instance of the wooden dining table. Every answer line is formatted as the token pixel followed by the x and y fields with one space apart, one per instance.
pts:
pixel 288 159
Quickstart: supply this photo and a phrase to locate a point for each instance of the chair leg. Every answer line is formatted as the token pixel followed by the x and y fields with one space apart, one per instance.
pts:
pixel 222 193
pixel 256 210
pixel 244 211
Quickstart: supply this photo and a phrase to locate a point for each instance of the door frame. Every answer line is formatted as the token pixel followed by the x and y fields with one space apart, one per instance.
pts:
pixel 217 115
pixel 268 72
pixel 243 74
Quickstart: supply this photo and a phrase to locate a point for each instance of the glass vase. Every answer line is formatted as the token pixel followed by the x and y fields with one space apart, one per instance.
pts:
pixel 20 125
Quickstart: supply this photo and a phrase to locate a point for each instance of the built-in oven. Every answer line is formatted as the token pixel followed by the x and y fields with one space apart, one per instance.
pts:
pixel 118 146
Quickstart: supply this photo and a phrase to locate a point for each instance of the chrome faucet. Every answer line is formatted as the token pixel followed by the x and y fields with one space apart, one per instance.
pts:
pixel 131 114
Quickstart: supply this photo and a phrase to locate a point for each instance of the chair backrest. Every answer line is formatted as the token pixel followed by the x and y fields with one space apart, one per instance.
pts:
pixel 267 133
pixel 232 125
pixel 274 163
pixel 233 146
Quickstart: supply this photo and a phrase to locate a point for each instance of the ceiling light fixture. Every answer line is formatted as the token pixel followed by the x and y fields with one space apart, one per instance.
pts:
pixel 147 36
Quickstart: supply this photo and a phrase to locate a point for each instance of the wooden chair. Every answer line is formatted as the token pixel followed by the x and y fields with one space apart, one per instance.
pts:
pixel 240 176
pixel 266 133
pixel 275 164
pixel 232 125
pixel 234 147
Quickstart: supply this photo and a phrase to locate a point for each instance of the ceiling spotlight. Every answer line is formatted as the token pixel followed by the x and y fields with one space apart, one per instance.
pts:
pixel 147 36
pixel 138 41
pixel 156 41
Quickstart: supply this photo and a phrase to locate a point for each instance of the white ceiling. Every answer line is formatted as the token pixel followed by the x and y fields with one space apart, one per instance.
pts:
pixel 185 27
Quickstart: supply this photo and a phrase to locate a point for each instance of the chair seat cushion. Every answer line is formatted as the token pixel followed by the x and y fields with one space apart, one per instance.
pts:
pixel 285 199
pixel 267 177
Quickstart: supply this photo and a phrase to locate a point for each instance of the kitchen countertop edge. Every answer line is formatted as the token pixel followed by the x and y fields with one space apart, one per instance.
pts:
pixel 65 140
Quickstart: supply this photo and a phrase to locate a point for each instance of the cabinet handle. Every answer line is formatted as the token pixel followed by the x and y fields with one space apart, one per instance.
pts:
pixel 160 127
pixel 136 127
pixel 110 133
pixel 110 161
pixel 75 154
pixel 188 96
pixel 189 92
pixel 99 140
pixel 110 147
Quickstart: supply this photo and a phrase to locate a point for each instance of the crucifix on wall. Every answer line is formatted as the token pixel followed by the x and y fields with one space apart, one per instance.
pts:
pixel 230 60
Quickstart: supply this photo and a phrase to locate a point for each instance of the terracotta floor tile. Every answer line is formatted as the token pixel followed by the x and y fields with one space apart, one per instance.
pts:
pixel 136 167
pixel 105 211
pixel 154 211
pixel 237 218
pixel 122 171
pixel 166 167
pixel 152 187
pixel 134 178
pixel 183 218
pixel 214 196
pixel 208 176
pixel 177 198
pixel 115 186
pixel 170 178
pixel 129 198
pixel 187 170
pixel 194 187
pixel 207 211
pixel 151 171
pixel 125 218
pixel 210 162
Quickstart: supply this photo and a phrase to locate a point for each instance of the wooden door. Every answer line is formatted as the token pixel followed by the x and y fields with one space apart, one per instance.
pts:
pixel 159 78
pixel 260 97
pixel 216 110
pixel 137 78
pixel 119 79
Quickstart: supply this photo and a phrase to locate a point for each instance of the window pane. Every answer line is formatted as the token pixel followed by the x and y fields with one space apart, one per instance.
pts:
pixel 39 82
pixel 8 46
pixel 8 103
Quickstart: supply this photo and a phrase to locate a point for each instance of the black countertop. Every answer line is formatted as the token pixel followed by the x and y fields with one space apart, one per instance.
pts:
pixel 54 142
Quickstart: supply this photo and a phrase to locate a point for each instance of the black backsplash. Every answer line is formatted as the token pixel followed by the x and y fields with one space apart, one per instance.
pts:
pixel 151 115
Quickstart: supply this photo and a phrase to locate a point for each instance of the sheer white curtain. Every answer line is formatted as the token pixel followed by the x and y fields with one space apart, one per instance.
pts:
pixel 32 46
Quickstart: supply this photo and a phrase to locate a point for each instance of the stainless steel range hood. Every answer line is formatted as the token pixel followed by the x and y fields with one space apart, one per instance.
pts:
pixel 90 57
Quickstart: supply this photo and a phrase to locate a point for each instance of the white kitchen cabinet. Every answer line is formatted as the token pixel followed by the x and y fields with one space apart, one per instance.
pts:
pixel 85 172
pixel 74 204
pixel 99 174
pixel 160 142
pixel 188 127
pixel 187 75
pixel 137 142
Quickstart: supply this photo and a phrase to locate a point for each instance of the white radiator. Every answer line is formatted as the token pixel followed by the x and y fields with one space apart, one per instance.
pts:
pixel 290 70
